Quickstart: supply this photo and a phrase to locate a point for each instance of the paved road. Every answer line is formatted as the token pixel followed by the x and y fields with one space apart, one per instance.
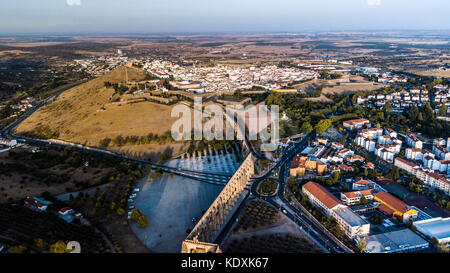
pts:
pixel 278 201
pixel 312 229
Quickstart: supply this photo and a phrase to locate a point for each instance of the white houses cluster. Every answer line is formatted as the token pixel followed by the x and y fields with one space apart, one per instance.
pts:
pixel 224 77
pixel 428 177
pixel 438 159
pixel 384 143
pixel 399 99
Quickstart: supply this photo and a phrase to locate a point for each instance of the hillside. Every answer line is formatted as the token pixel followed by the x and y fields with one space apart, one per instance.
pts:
pixel 87 114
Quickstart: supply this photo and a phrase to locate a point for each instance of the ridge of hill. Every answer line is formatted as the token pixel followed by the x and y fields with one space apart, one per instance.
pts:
pixel 87 114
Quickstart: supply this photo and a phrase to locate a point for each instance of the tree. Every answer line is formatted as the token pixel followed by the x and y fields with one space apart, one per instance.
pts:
pixel 413 113
pixel 39 243
pixel 362 245
pixel 142 221
pixel 59 247
pixel 323 125
pixel 387 108
pixel 376 219
pixel 18 249
pixel 442 111
pixel 120 212
pixel 325 74
pixel 363 200
pixel 306 128
pixel 135 214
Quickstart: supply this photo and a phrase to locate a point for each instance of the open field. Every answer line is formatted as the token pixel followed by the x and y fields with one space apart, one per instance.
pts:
pixel 433 73
pixel 346 85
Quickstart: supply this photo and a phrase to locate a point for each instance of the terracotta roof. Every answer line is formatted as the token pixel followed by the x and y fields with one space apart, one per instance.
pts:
pixel 353 194
pixel 324 196
pixel 363 182
pixel 393 202
pixel 438 177
pixel 386 210
pixel 345 167
pixel 405 162
pixel 356 121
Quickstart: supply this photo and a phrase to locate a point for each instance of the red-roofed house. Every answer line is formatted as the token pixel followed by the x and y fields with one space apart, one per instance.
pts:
pixel 355 124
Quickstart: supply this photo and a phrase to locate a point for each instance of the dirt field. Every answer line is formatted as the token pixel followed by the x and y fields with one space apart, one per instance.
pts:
pixel 346 85
pixel 434 73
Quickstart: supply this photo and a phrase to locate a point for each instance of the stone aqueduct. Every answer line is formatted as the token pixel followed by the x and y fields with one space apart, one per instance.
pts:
pixel 202 237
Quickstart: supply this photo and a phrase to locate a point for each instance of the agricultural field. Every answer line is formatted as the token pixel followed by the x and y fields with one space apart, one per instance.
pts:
pixel 39 230
pixel 273 243
pixel 23 173
pixel 262 229
pixel 257 214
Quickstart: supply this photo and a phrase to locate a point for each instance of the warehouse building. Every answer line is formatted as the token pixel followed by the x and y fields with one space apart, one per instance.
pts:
pixel 438 228
pixel 403 240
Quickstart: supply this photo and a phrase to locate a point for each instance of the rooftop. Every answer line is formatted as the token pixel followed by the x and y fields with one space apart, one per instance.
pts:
pixel 324 196
pixel 350 217
pixel 393 202
pixel 399 240
pixel 436 227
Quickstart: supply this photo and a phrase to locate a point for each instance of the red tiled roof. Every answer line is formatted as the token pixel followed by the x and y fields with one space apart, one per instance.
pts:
pixel 363 182
pixel 405 162
pixel 393 202
pixel 386 210
pixel 356 121
pixel 353 194
pixel 324 196
pixel 345 167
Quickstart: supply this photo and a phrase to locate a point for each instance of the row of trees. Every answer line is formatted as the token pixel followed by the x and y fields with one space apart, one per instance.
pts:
pixel 136 140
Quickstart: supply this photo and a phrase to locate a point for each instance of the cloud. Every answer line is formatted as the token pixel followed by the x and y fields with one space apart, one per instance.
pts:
pixel 374 2
pixel 73 2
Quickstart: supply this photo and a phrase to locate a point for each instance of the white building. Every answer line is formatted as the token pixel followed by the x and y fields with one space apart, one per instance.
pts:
pixel 350 222
pixel 413 141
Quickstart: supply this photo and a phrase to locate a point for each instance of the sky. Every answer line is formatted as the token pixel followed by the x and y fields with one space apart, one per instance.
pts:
pixel 217 16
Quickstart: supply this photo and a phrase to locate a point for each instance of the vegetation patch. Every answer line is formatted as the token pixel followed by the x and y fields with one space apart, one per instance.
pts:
pixel 267 187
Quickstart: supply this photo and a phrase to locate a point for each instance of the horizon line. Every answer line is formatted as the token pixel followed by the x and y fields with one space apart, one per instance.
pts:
pixel 188 33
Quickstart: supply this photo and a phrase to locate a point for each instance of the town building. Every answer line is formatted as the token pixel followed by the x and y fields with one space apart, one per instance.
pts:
pixel 354 197
pixel 403 240
pixel 350 222
pixel 395 208
pixel 37 204
pixel 355 124
pixel 414 141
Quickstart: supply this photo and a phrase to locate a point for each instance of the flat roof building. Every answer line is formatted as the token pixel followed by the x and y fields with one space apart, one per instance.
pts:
pixel 390 242
pixel 350 222
pixel 438 228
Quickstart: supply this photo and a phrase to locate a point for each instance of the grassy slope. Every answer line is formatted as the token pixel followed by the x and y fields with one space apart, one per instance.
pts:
pixel 76 115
